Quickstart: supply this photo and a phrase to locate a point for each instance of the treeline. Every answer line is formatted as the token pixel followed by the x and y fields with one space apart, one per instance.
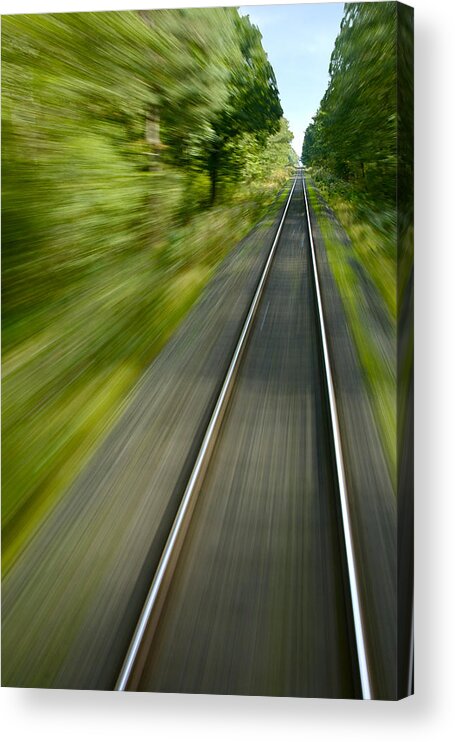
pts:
pixel 359 154
pixel 353 136
pixel 137 147
pixel 109 122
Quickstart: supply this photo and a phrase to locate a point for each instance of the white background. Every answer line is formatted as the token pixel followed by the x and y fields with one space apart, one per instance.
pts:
pixel 81 715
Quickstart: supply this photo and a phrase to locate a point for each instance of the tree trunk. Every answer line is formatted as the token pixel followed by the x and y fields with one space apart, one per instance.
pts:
pixel 213 179
pixel 213 174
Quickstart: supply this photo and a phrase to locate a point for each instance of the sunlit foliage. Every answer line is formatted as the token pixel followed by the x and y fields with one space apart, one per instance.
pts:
pixel 357 147
pixel 137 148
pixel 354 133
pixel 351 145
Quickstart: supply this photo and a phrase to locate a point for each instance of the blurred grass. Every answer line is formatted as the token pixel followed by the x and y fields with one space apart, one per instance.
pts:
pixel 376 361
pixel 108 120
pixel 372 229
pixel 65 379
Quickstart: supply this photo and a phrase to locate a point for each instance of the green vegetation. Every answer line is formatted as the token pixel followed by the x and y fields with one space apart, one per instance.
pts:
pixel 350 149
pixel 351 145
pixel 375 359
pixel 138 148
pixel 353 134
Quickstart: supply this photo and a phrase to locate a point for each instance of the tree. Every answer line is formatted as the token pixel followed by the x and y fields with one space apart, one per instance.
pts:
pixel 253 104
pixel 353 134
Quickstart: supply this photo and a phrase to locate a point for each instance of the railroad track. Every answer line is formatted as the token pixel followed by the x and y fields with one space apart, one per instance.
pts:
pixel 257 587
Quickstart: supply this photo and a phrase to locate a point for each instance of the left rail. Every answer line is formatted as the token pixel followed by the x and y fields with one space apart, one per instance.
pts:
pixel 173 544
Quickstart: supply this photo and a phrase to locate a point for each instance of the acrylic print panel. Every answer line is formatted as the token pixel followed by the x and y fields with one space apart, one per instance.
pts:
pixel 208 350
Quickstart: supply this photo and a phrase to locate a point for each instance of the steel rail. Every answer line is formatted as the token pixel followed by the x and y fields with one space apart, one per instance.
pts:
pixel 346 521
pixel 191 490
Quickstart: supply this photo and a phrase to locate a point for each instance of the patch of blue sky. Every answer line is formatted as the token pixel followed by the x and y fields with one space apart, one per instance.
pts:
pixel 299 41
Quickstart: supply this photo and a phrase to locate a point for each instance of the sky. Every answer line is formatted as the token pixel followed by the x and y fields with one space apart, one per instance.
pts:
pixel 299 40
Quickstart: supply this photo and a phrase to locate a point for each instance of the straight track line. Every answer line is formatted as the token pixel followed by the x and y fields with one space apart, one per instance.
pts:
pixel 347 532
pixel 191 491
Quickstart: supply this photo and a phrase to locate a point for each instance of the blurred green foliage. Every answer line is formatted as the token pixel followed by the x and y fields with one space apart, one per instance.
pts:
pixel 354 133
pixel 351 145
pixel 352 150
pixel 374 352
pixel 137 148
